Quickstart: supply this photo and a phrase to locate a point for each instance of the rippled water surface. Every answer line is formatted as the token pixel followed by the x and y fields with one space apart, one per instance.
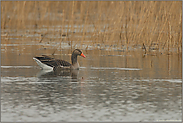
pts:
pixel 109 86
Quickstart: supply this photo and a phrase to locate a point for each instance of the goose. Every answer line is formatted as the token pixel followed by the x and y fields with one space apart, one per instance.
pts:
pixel 46 62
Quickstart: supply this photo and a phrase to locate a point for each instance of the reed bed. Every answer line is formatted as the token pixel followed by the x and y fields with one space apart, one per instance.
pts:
pixel 151 25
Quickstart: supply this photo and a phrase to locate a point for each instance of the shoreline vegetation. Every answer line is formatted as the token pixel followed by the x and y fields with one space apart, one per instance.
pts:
pixel 150 25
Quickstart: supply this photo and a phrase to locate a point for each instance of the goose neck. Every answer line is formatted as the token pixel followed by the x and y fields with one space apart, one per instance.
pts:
pixel 74 58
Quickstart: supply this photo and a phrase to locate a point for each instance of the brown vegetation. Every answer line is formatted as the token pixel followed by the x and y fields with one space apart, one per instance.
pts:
pixel 152 25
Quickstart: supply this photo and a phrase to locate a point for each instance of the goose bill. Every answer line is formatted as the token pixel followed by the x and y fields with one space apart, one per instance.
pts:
pixel 83 55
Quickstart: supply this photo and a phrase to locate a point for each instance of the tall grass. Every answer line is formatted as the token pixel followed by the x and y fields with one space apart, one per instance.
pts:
pixel 155 25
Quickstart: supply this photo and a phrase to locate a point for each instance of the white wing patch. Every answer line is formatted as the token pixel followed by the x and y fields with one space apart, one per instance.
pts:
pixel 43 66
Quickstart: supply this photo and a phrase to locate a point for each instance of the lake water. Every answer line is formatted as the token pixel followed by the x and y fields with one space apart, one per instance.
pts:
pixel 109 86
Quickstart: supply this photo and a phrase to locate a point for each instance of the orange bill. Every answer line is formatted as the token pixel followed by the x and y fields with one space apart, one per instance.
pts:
pixel 83 55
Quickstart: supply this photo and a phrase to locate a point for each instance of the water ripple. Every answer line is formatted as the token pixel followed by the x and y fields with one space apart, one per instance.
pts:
pixel 114 68
pixel 17 66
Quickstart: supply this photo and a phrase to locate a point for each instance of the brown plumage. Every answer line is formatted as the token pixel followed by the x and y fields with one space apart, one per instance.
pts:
pixel 46 62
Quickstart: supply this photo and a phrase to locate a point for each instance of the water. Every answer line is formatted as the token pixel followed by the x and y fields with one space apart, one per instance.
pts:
pixel 109 86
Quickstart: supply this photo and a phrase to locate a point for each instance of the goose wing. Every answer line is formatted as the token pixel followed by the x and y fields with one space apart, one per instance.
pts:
pixel 52 62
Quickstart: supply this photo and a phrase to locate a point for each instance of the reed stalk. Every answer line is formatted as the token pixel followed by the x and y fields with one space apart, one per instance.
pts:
pixel 110 23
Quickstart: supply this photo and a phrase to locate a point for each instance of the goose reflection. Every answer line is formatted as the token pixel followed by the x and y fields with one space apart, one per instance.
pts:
pixel 58 73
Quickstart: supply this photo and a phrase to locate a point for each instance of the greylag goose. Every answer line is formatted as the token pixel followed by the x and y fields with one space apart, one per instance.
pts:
pixel 46 62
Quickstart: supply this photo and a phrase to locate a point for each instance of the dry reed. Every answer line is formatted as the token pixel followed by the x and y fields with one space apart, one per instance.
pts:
pixel 155 25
